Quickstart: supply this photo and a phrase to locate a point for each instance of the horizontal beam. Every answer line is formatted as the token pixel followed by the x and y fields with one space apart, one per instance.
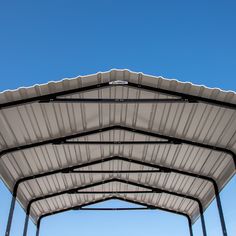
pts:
pixel 116 171
pixel 111 192
pixel 115 209
pixel 116 100
pixel 114 142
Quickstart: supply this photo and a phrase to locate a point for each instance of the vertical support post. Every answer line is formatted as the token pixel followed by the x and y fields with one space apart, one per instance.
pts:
pixel 26 224
pixel 38 227
pixel 11 212
pixel 203 221
pixel 220 210
pixel 190 226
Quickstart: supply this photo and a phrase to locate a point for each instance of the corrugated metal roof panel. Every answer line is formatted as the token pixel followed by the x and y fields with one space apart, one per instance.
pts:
pixel 34 122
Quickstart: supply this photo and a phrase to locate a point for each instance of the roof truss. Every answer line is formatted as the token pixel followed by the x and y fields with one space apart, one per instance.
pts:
pixel 184 97
pixel 147 206
pixel 77 190
pixel 169 140
pixel 151 188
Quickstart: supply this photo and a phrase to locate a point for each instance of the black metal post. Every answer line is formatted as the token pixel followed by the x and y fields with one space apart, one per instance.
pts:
pixel 220 210
pixel 11 212
pixel 38 227
pixel 26 224
pixel 203 221
pixel 190 226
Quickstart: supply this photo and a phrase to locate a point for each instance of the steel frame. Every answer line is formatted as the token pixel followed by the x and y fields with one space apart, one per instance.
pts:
pixel 158 167
pixel 182 98
pixel 151 188
pixel 148 206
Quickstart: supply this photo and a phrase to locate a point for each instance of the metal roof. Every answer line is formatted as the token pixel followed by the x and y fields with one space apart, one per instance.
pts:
pixel 113 134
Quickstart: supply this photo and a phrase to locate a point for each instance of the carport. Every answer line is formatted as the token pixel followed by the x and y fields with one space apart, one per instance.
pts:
pixel 159 143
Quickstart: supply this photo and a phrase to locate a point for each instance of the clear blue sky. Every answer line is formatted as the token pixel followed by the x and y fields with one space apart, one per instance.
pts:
pixel 187 40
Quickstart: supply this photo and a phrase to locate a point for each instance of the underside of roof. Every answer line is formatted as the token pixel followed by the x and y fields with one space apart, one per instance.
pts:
pixel 117 134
